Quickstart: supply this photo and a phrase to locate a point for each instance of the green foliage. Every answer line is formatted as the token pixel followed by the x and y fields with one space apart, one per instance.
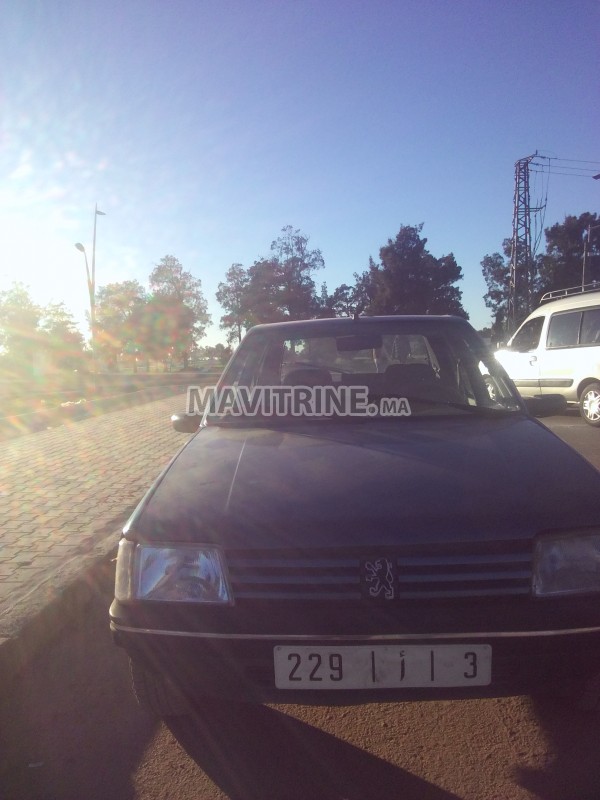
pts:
pixel 177 315
pixel 37 339
pixel 281 287
pixel 409 280
pixel 345 301
pixel 496 273
pixel 231 296
pixel 19 322
pixel 61 339
pixel 562 265
pixel 117 310
pixel 163 327
pixel 273 289
pixel 218 353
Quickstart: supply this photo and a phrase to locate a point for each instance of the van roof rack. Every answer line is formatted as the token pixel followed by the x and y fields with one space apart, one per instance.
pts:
pixel 557 293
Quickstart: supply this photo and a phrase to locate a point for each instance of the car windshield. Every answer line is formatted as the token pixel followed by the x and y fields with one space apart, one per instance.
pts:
pixel 397 369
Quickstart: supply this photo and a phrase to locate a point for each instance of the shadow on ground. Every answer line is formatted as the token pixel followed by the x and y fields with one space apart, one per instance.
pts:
pixel 70 728
pixel 573 746
pixel 257 752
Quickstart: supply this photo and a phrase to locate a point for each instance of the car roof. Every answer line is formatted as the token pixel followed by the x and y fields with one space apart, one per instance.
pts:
pixel 340 324
pixel 582 300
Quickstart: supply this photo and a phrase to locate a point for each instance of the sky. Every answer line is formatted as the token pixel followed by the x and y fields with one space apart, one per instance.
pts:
pixel 201 128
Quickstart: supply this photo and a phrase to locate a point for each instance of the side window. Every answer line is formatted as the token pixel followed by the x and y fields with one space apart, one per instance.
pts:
pixel 564 329
pixel 242 371
pixel 590 327
pixel 528 336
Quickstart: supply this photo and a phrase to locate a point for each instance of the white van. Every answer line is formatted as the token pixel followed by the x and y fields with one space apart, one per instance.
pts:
pixel 557 350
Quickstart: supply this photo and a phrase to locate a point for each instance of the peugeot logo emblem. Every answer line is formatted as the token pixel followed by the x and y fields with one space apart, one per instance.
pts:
pixel 379 574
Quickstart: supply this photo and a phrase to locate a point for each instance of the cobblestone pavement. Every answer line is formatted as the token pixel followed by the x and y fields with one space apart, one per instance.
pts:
pixel 65 490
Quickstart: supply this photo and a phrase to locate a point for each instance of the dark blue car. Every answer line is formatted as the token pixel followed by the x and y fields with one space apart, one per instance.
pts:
pixel 368 511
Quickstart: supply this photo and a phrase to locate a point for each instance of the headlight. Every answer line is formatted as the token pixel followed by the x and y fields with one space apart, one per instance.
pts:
pixel 182 574
pixel 567 564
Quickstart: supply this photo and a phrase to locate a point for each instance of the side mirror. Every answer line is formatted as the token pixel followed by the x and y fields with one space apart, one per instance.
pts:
pixel 545 405
pixel 185 423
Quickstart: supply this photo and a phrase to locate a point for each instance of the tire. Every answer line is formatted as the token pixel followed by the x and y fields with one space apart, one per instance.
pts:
pixel 589 404
pixel 156 694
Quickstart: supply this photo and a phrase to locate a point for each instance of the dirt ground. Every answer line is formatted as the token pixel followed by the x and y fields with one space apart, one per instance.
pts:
pixel 70 729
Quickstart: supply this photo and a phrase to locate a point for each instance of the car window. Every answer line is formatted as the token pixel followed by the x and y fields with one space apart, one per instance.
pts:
pixel 590 327
pixel 431 367
pixel 528 336
pixel 564 329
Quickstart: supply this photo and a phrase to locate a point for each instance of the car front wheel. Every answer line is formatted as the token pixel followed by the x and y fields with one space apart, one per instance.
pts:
pixel 156 694
pixel 589 404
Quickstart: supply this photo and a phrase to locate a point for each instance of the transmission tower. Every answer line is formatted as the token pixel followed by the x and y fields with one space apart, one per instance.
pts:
pixel 522 271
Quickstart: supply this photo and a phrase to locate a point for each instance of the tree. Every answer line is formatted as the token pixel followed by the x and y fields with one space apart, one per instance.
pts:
pixel 281 287
pixel 496 273
pixel 218 352
pixel 262 300
pixel 60 337
pixel 410 280
pixel 231 295
pixel 347 300
pixel 19 336
pixel 295 265
pixel 562 265
pixel 178 311
pixel 118 308
pixel 164 327
pixel 324 304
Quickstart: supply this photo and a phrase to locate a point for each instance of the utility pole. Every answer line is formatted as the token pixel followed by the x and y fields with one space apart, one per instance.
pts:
pixel 586 245
pixel 520 298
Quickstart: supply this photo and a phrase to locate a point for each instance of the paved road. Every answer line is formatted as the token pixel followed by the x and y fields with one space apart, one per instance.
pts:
pixel 70 730
pixel 65 492
pixel 578 434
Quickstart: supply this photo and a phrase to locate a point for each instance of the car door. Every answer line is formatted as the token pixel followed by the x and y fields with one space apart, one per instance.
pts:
pixel 521 357
pixel 558 362
pixel 572 351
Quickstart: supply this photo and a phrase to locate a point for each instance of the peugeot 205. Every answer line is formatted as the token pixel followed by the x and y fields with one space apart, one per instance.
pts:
pixel 367 511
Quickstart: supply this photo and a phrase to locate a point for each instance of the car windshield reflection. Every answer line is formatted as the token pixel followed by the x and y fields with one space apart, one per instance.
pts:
pixel 372 369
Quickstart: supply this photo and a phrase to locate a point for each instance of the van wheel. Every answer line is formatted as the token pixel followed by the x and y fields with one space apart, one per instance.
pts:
pixel 157 695
pixel 589 404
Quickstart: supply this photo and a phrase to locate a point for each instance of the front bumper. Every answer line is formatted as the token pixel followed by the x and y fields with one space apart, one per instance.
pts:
pixel 239 665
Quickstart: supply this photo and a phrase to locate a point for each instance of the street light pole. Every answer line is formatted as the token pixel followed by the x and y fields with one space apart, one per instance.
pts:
pixel 96 214
pixel 91 282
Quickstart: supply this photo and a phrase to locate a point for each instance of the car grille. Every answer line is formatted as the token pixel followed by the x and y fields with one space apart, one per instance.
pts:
pixel 481 569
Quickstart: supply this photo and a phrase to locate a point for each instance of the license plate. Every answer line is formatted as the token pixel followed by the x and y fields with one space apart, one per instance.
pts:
pixel 382 666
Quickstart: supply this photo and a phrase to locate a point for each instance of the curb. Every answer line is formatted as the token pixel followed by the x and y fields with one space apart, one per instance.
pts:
pixel 31 632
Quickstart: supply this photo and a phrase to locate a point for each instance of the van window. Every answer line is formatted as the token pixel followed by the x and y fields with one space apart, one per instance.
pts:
pixel 564 329
pixel 590 327
pixel 528 336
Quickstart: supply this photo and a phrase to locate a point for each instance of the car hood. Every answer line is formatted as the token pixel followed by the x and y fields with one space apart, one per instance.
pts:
pixel 379 482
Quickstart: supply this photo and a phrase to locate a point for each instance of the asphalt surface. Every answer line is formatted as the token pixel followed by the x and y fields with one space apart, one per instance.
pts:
pixel 70 730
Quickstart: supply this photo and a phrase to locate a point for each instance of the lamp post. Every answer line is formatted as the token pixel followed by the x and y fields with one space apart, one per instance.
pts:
pixel 590 228
pixel 91 282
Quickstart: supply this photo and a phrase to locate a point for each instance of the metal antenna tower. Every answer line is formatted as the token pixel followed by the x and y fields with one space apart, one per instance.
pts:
pixel 520 298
